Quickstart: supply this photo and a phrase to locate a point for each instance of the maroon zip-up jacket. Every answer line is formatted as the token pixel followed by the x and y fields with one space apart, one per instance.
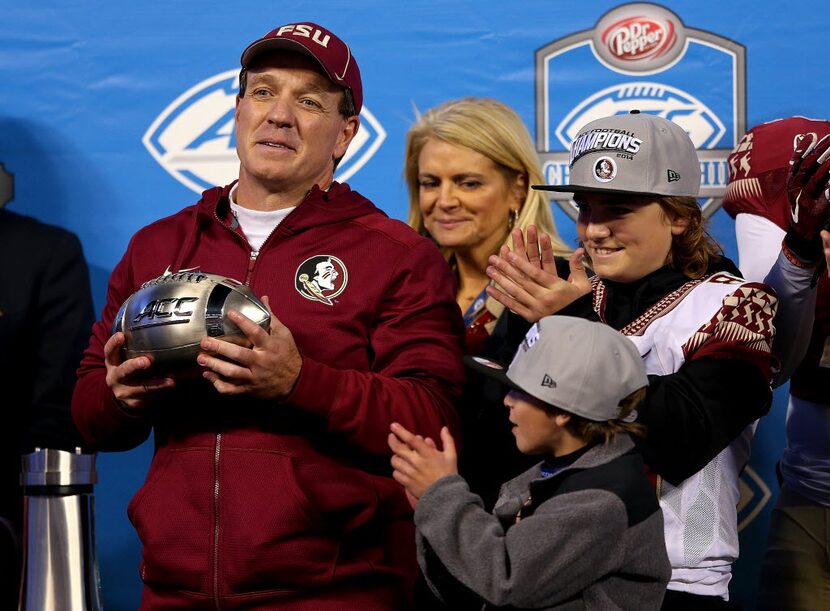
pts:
pixel 265 504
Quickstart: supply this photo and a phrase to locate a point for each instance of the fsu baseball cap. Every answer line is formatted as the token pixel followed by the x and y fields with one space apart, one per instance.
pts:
pixel 333 55
pixel 759 164
pixel 583 367
pixel 632 154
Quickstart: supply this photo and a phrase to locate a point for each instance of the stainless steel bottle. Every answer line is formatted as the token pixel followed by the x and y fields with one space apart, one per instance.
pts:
pixel 60 567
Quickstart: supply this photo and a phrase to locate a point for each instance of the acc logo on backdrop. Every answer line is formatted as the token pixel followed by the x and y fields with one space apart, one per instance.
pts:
pixel 641 56
pixel 193 138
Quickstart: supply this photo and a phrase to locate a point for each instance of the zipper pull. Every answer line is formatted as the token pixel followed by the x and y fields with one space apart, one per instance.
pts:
pixel 251 263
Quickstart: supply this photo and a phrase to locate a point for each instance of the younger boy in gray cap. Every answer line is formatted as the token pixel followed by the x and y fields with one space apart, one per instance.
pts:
pixel 580 530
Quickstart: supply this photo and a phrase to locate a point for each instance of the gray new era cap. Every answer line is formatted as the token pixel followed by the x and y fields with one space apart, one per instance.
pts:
pixel 583 367
pixel 633 153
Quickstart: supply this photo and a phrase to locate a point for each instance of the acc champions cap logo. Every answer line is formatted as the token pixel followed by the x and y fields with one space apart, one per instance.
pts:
pixel 321 278
pixel 640 56
pixel 194 140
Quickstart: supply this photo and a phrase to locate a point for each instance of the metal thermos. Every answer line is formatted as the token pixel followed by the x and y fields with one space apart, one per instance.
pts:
pixel 60 566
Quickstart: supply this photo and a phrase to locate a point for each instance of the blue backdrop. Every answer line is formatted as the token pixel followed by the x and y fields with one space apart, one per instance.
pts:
pixel 115 114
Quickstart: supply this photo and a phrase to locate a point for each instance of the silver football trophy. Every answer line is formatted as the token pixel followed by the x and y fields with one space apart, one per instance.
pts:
pixel 169 315
pixel 60 565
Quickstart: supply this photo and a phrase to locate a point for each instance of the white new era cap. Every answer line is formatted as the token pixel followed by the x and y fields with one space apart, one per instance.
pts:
pixel 583 367
pixel 633 153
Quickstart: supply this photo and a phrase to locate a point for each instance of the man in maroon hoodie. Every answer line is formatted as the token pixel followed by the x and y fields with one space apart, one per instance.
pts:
pixel 270 486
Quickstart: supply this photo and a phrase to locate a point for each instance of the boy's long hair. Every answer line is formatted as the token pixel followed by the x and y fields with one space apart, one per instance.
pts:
pixel 692 250
pixel 591 431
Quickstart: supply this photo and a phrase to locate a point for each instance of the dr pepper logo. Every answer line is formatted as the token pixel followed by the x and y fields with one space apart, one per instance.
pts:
pixel 639 37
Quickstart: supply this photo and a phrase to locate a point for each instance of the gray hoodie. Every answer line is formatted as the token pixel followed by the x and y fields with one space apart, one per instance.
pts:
pixel 590 537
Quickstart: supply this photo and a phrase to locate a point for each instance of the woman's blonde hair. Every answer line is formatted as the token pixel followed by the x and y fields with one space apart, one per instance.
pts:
pixel 494 130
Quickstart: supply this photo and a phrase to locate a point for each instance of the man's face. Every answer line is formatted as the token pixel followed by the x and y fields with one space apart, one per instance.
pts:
pixel 289 130
pixel 325 275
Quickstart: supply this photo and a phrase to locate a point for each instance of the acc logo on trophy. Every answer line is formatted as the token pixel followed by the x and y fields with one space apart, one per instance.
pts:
pixel 321 278
pixel 193 138
pixel 168 316
pixel 641 56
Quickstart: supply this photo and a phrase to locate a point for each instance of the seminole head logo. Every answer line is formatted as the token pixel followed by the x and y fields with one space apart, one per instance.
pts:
pixel 605 169
pixel 321 278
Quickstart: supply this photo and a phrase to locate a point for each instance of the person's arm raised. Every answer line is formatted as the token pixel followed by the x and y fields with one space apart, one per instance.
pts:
pixel 526 279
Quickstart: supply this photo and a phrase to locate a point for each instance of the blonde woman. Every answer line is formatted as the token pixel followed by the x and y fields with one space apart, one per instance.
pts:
pixel 468 167
pixel 469 163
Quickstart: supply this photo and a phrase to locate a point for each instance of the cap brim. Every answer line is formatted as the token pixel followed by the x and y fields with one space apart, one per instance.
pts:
pixel 272 44
pixel 581 189
pixel 490 369
pixel 280 44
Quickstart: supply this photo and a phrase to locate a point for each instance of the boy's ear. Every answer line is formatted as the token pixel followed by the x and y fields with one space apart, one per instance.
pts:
pixel 562 418
pixel 679 225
